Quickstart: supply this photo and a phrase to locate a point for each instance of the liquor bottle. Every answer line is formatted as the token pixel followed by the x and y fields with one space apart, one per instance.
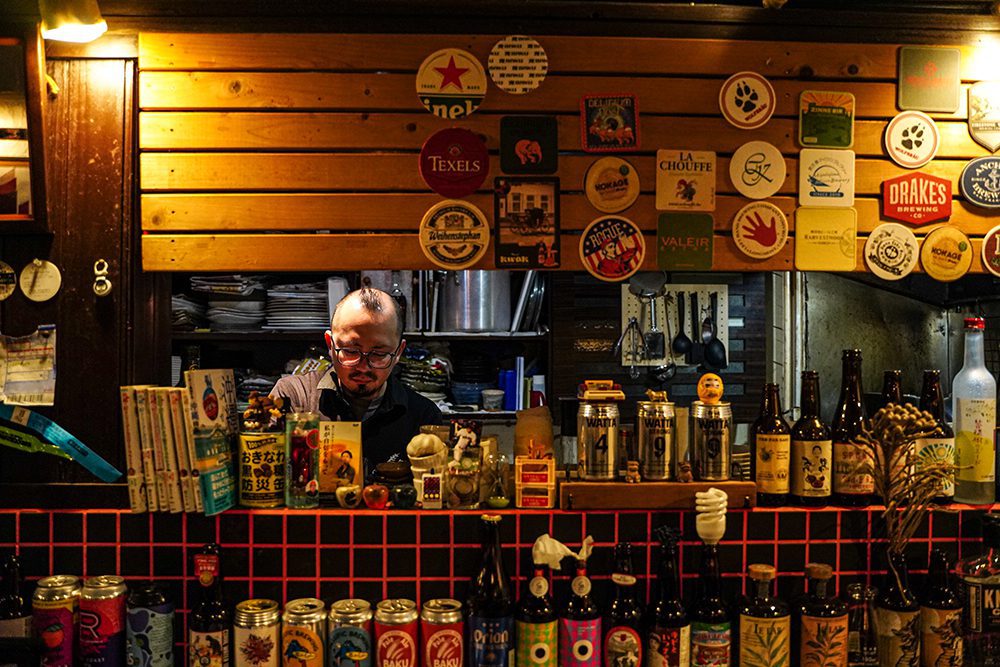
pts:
pixel 490 607
pixel 939 447
pixel 580 624
pixel 623 629
pixel 974 409
pixel 821 622
pixel 669 625
pixel 210 619
pixel 851 488
pixel 537 623
pixel 980 588
pixel 940 615
pixel 772 444
pixel 812 450
pixel 15 609
pixel 897 616
pixel 892 388
pixel 711 629
pixel 765 622
pixel 862 641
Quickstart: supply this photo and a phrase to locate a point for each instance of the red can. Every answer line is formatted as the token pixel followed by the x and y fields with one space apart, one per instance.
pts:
pixel 442 633
pixel 101 628
pixel 396 633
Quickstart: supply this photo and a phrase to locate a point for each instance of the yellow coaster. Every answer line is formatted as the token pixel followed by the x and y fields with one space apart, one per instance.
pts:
pixel 611 184
pixel 946 254
pixel 454 234
pixel 825 239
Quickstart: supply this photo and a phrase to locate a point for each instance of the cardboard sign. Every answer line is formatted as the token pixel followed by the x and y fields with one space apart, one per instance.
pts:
pixel 609 123
pixel 451 83
pixel 612 248
pixel 912 139
pixel 526 213
pixel 518 64
pixel 760 230
pixel 529 144
pixel 946 254
pixel 826 119
pixel 984 113
pixel 611 184
pixel 454 234
pixel 916 198
pixel 825 239
pixel 991 251
pixel 685 180
pixel 746 100
pixel 757 170
pixel 454 162
pixel 929 78
pixel 980 182
pixel 891 251
pixel 684 241
pixel 826 177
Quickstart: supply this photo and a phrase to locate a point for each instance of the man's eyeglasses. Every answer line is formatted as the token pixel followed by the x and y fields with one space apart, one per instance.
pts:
pixel 352 356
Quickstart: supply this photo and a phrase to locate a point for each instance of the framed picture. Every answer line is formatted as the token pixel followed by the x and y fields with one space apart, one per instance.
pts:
pixel 526 211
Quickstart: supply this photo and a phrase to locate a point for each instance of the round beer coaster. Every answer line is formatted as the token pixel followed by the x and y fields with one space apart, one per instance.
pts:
pixel 991 251
pixel 612 248
pixel 747 100
pixel 40 280
pixel 454 162
pixel 946 254
pixel 611 184
pixel 891 251
pixel 760 230
pixel 912 139
pixel 451 83
pixel 757 169
pixel 980 182
pixel 518 64
pixel 8 280
pixel 454 234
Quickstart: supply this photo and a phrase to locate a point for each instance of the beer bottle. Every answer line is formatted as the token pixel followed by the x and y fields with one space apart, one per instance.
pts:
pixel 580 624
pixel 978 576
pixel 669 625
pixel 812 451
pixel 765 622
pixel 940 615
pixel 897 616
pixel 821 621
pixel 491 621
pixel 210 619
pixel 974 409
pixel 851 487
pixel 623 630
pixel 15 609
pixel 940 447
pixel 536 620
pixel 862 640
pixel 772 443
pixel 711 629
pixel 892 388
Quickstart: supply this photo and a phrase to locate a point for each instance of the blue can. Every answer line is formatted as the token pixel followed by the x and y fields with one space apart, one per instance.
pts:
pixel 149 627
pixel 349 634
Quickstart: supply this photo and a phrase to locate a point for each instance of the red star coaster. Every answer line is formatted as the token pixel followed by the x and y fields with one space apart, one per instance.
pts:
pixel 451 75
pixel 451 83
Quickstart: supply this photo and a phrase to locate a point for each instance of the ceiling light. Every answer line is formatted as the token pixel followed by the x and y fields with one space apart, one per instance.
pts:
pixel 72 20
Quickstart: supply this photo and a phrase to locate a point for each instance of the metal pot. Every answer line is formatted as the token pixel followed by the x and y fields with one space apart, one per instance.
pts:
pixel 475 301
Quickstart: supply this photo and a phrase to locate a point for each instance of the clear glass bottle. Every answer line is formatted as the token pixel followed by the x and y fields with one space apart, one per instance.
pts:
pixel 862 641
pixel 765 622
pixel 980 582
pixel 974 409
pixel 940 615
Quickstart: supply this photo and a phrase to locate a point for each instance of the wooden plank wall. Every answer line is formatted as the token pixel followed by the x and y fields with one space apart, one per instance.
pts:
pixel 243 136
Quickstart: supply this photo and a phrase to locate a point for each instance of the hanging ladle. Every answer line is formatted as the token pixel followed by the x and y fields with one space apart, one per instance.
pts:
pixel 681 344
pixel 715 351
pixel 664 372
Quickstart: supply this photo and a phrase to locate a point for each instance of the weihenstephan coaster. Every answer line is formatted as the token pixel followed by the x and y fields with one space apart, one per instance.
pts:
pixel 454 234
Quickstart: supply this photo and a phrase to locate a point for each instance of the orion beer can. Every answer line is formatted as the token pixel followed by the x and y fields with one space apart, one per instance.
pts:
pixel 101 632
pixel 55 605
pixel 655 426
pixel 442 633
pixel 597 441
pixel 257 634
pixel 149 626
pixel 711 440
pixel 396 633
pixel 349 634
pixel 303 634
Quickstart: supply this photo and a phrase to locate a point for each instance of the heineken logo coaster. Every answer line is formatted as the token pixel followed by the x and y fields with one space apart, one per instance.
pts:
pixel 912 139
pixel 916 198
pixel 518 64
pixel 929 78
pixel 826 119
pixel 454 162
pixel 451 83
pixel 747 100
pixel 611 184
pixel 526 213
pixel 685 241
pixel 826 177
pixel 991 251
pixel 609 123
pixel 529 144
pixel 685 180
pixel 891 251
pixel 826 239
pixel 612 248
pixel 980 182
pixel 757 169
pixel 760 230
pixel 946 254
pixel 984 113
pixel 454 234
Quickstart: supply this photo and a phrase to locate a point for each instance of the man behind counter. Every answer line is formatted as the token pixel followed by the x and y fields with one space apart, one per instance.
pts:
pixel 365 342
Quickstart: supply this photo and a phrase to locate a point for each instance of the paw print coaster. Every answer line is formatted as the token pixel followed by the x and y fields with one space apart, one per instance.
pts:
pixel 760 230
pixel 912 139
pixel 747 100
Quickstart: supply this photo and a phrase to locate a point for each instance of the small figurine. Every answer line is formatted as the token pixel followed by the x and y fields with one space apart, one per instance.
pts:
pixel 710 389
pixel 632 472
pixel 684 472
pixel 348 496
pixel 376 496
pixel 404 496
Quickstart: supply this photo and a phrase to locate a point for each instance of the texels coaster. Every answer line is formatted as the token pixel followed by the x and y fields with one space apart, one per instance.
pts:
pixel 611 184
pixel 518 64
pixel 746 100
pixel 891 251
pixel 684 241
pixel 451 83
pixel 454 234
pixel 529 144
pixel 826 119
pixel 826 177
pixel 916 198
pixel 526 214
pixel 685 180
pixel 609 123
pixel 612 248
pixel 912 139
pixel 929 78
pixel 760 230
pixel 454 162
pixel 757 169
pixel 825 239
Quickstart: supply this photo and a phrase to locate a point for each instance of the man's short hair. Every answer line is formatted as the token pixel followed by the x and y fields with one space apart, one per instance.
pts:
pixel 373 300
pixel 348 452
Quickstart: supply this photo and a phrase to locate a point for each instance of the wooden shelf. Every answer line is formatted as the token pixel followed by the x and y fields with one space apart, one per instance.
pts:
pixel 649 495
pixel 475 335
pixel 258 335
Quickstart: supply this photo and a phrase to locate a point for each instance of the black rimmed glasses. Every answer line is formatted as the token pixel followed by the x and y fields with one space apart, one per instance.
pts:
pixel 352 356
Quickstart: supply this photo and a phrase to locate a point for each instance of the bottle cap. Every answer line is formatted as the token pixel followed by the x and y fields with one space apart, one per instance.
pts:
pixel 761 572
pixel 819 571
pixel 975 323
pixel 991 529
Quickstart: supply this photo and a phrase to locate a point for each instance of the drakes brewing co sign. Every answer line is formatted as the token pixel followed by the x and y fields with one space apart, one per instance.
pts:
pixel 916 198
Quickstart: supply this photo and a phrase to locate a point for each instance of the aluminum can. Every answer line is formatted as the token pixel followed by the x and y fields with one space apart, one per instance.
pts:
pixel 101 628
pixel 303 633
pixel 655 427
pixel 262 469
pixel 711 440
pixel 55 605
pixel 442 633
pixel 349 634
pixel 257 633
pixel 597 441
pixel 396 633
pixel 149 626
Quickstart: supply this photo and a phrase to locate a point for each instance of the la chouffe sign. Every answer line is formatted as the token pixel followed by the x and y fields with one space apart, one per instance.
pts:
pixel 916 198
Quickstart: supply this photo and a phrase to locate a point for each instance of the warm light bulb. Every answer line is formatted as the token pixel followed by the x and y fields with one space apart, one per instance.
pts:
pixel 76 32
pixel 71 20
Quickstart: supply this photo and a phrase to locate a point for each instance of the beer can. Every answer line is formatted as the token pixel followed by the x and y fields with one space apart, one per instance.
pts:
pixel 257 633
pixel 262 469
pixel 711 440
pixel 442 633
pixel 101 629
pixel 55 605
pixel 597 441
pixel 655 426
pixel 149 626
pixel 396 633
pixel 349 634
pixel 303 633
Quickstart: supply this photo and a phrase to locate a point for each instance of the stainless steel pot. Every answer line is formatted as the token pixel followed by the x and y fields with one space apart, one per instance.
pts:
pixel 475 301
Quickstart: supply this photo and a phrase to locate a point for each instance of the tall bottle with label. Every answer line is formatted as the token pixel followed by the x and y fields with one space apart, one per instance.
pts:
pixel 15 609
pixel 210 620
pixel 862 640
pixel 897 616
pixel 940 447
pixel 812 449
pixel 980 588
pixel 490 605
pixel 537 623
pixel 940 615
pixel 765 622
pixel 669 625
pixel 623 627
pixel 821 620
pixel 851 487
pixel 974 409
pixel 711 629
pixel 580 624
pixel 772 443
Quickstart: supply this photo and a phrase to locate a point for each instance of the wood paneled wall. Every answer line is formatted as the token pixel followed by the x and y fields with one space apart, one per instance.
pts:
pixel 316 137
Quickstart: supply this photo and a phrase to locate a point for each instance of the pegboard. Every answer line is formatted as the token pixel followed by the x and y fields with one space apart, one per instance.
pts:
pixel 666 311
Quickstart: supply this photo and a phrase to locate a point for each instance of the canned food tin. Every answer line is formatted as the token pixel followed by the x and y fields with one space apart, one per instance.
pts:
pixel 655 424
pixel 149 626
pixel 396 633
pixel 101 632
pixel 711 440
pixel 597 441
pixel 262 469
pixel 54 613
pixel 442 633
pixel 303 636
pixel 349 634
pixel 257 633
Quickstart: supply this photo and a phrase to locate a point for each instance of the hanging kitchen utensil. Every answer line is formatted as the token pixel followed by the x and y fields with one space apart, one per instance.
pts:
pixel 664 372
pixel 647 287
pixel 696 353
pixel 681 344
pixel 707 331
pixel 637 346
pixel 655 341
pixel 715 351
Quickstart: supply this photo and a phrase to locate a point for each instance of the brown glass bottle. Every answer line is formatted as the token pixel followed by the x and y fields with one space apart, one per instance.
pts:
pixel 711 628
pixel 771 445
pixel 820 621
pixel 669 625
pixel 811 466
pixel 940 446
pixel 892 388
pixel 536 622
pixel 897 616
pixel 490 605
pixel 580 623
pixel 940 615
pixel 851 488
pixel 210 619
pixel 623 625
pixel 15 608
pixel 765 622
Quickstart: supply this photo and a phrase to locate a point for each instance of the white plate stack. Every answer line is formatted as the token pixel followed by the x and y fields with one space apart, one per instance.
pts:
pixel 298 307
pixel 235 315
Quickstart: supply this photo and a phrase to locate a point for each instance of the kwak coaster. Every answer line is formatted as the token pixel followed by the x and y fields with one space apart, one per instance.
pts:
pixel 612 248
pixel 826 177
pixel 526 212
pixel 912 139
pixel 454 234
pixel 891 251
pixel 685 180
pixel 747 100
pixel 518 64
pixel 757 169
pixel 760 230
pixel 609 123
pixel 451 83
